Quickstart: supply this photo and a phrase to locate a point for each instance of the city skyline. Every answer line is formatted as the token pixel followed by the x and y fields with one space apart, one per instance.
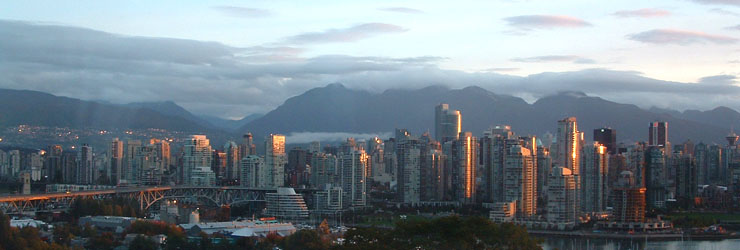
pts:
pixel 626 51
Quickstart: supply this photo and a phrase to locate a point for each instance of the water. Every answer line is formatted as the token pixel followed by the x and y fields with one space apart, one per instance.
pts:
pixel 607 244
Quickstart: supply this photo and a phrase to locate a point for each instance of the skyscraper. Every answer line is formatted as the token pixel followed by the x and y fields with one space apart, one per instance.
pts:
pixel 655 177
pixel 594 174
pixel 658 134
pixel 606 137
pixel 561 198
pixel 197 158
pixel 233 166
pixel 569 149
pixel 116 161
pixel 628 200
pixel 247 147
pixel 519 179
pixel 464 165
pixel 275 159
pixel 353 167
pixel 251 173
pixel 85 165
pixel 492 150
pixel 447 123
pixel 569 143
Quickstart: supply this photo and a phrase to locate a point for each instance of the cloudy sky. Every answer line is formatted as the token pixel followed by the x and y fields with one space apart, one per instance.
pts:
pixel 234 58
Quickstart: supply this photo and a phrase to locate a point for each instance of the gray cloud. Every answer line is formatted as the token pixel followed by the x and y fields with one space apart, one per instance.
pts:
pixel 501 69
pixel 216 79
pixel 402 10
pixel 554 58
pixel 724 12
pixel 545 22
pixel 351 34
pixel 236 11
pixel 642 13
pixel 725 2
pixel 719 80
pixel 680 37
pixel 736 27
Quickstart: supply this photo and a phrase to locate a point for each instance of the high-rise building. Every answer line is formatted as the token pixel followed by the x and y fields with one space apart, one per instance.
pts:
pixel 353 167
pixel 131 168
pixel 116 161
pixel 655 176
pixel 14 164
pixel 447 123
pixel 569 149
pixel 218 164
pixel 606 137
pixel 658 134
pixel 628 200
pixel 275 159
pixel 492 154
pixel 569 143
pixel 561 198
pixel 253 174
pixel 544 167
pixel 299 161
pixel 432 172
pixel 52 164
pixel 197 158
pixel 463 161
pixel 594 178
pixel 315 147
pixel 233 166
pixel 324 170
pixel 686 178
pixel 247 147
pixel 375 150
pixel 520 179
pixel 85 171
pixel 409 152
pixel 36 164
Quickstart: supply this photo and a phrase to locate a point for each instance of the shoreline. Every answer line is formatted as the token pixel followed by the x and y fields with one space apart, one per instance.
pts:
pixel 620 236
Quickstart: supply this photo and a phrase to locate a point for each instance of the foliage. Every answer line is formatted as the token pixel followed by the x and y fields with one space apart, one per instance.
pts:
pixel 443 233
pixel 111 207
pixel 143 243
pixel 24 238
pixel 305 239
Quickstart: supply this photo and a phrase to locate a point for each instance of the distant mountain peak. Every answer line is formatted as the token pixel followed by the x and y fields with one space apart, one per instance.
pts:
pixel 575 94
pixel 337 85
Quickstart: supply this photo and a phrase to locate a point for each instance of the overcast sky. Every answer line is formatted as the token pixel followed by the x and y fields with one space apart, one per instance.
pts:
pixel 234 58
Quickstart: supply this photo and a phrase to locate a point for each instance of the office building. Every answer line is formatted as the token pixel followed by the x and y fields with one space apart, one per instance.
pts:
pixel 562 210
pixel 463 161
pixel 85 172
pixel 275 159
pixel 520 179
pixel 658 135
pixel 606 137
pixel 447 123
pixel 353 167
pixel 594 178
pixel 197 160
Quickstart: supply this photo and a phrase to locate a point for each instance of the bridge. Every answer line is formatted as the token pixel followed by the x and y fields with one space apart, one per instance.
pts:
pixel 146 196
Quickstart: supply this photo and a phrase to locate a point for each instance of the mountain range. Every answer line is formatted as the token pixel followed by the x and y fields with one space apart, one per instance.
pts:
pixel 335 108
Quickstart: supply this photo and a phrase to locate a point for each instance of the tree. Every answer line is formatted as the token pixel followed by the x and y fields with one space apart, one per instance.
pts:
pixel 143 243
pixel 103 241
pixel 304 239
